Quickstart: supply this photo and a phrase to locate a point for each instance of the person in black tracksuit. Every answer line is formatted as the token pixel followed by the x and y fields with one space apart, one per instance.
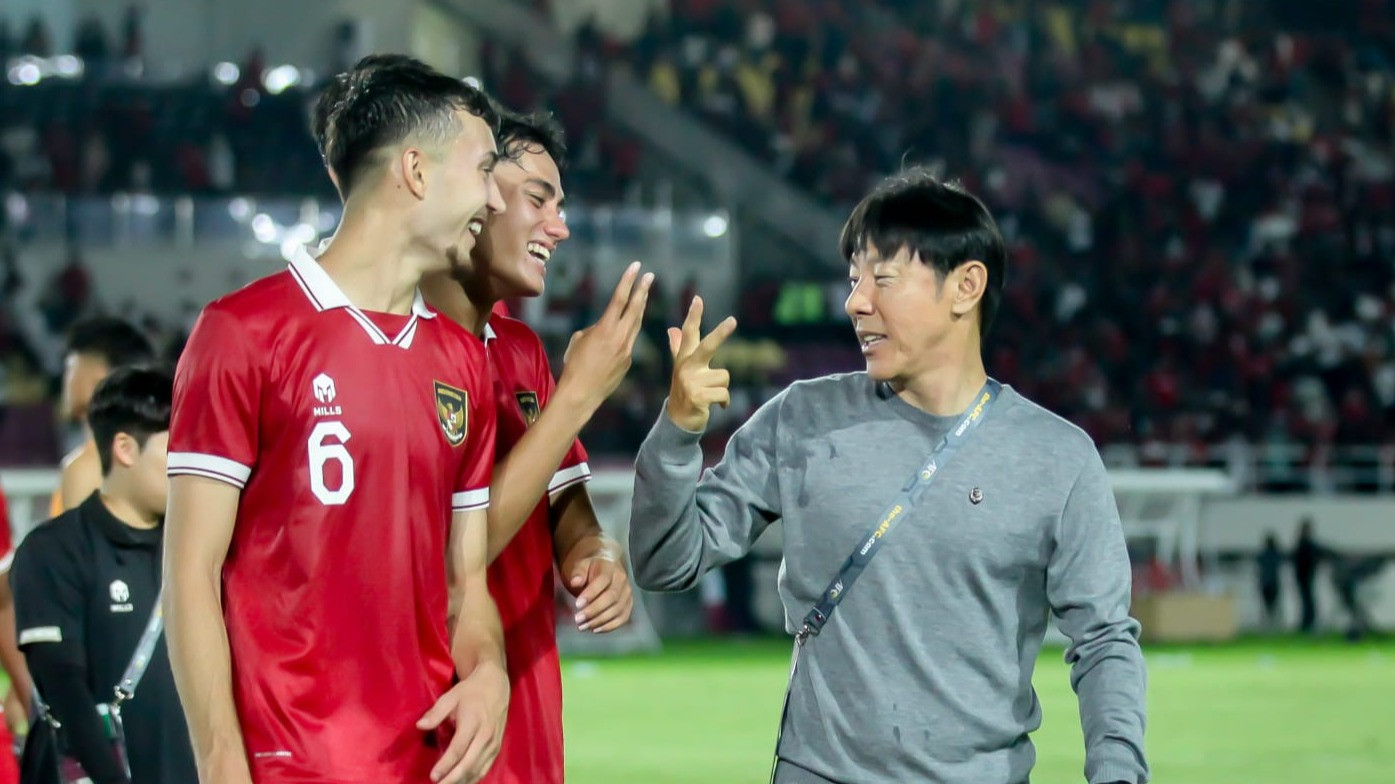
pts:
pixel 85 584
pixel 1307 554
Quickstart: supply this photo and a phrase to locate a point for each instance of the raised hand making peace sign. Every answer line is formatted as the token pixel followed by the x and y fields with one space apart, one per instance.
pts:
pixel 599 356
pixel 696 385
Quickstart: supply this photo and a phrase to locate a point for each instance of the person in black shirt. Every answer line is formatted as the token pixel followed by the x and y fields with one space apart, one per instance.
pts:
pixel 85 585
pixel 1271 561
pixel 1307 554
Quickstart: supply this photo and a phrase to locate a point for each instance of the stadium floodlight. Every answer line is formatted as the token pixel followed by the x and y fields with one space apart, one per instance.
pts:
pixel 25 74
pixel 715 225
pixel 264 228
pixel 68 66
pixel 281 78
pixel 226 73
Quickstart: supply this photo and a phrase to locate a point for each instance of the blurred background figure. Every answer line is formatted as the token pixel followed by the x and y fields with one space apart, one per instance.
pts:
pixel 1271 562
pixel 1307 556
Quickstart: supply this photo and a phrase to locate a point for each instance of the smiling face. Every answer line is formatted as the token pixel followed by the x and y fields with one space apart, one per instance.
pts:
pixel 518 242
pixel 900 311
pixel 459 190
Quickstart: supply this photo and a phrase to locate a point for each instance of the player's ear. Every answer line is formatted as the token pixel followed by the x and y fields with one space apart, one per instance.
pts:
pixel 413 164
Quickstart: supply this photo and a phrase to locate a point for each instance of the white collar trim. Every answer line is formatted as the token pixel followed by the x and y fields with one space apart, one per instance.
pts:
pixel 325 295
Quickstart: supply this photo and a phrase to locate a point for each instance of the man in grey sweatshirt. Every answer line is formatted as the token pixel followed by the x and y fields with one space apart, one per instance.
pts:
pixel 924 673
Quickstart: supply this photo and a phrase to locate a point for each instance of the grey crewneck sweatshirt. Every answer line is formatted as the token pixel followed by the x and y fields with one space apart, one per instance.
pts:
pixel 924 672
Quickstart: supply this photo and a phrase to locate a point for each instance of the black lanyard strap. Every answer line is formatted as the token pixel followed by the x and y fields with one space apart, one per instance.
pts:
pixel 911 494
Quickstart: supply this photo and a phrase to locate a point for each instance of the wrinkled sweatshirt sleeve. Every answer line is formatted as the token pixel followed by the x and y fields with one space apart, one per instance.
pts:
pixel 1088 586
pixel 685 521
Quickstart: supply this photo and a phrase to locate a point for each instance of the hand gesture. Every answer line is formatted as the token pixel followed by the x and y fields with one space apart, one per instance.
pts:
pixel 478 707
pixel 696 385
pixel 604 598
pixel 599 356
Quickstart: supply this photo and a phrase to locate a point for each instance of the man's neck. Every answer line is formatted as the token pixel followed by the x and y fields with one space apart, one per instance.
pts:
pixel 121 507
pixel 371 263
pixel 949 383
pixel 450 298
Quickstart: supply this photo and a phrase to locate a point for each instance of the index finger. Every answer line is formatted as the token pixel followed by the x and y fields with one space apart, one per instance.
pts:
pixel 692 325
pixel 622 292
pixel 634 310
pixel 714 340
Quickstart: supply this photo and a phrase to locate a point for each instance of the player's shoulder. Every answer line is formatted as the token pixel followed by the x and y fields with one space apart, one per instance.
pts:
pixel 454 338
pixel 262 302
pixel 515 336
pixel 52 541
pixel 1038 426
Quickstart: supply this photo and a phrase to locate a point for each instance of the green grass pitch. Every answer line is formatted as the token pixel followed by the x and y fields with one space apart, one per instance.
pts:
pixel 1263 711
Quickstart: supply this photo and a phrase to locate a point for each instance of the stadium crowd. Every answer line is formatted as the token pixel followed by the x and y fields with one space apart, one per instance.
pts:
pixel 1198 195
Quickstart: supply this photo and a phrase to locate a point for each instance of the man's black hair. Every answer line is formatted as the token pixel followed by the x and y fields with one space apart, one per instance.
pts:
pixel 383 100
pixel 535 132
pixel 115 340
pixel 134 400
pixel 939 221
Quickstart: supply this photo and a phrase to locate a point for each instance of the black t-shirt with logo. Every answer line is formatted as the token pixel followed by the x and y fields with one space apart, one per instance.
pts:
pixel 85 584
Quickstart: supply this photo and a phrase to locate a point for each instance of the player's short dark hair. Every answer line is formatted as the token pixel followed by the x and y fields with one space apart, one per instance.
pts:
pixel 134 400
pixel 334 92
pixel 939 221
pixel 538 131
pixel 383 100
pixel 117 341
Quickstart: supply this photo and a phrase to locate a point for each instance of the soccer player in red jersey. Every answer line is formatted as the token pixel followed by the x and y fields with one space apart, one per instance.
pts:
pixel 20 687
pixel 331 449
pixel 540 512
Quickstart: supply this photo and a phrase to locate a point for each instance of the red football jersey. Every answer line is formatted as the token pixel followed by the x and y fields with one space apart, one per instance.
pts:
pixel 7 546
pixel 9 766
pixel 351 448
pixel 521 578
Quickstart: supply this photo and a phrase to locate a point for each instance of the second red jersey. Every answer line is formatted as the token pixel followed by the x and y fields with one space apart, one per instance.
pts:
pixel 353 437
pixel 521 578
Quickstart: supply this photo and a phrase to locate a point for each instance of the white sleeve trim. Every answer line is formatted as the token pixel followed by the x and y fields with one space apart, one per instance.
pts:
pixel 7 561
pixel 209 466
pixel 470 500
pixel 40 634
pixel 566 477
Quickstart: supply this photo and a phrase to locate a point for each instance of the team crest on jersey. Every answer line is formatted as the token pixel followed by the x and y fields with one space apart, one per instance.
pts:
pixel 451 405
pixel 528 402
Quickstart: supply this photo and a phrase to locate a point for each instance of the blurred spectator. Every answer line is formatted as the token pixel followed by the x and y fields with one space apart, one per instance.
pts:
pixel 1307 555
pixel 91 42
pixel 36 41
pixel 1270 563
pixel 133 37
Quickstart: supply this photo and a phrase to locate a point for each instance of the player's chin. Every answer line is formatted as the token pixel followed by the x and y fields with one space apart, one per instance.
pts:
pixel 458 261
pixel 528 278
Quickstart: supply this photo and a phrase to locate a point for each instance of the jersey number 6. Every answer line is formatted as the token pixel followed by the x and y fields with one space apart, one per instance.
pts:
pixel 327 444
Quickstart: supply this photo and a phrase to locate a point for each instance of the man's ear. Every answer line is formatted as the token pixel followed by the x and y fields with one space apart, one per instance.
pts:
pixel 414 171
pixel 125 450
pixel 970 284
